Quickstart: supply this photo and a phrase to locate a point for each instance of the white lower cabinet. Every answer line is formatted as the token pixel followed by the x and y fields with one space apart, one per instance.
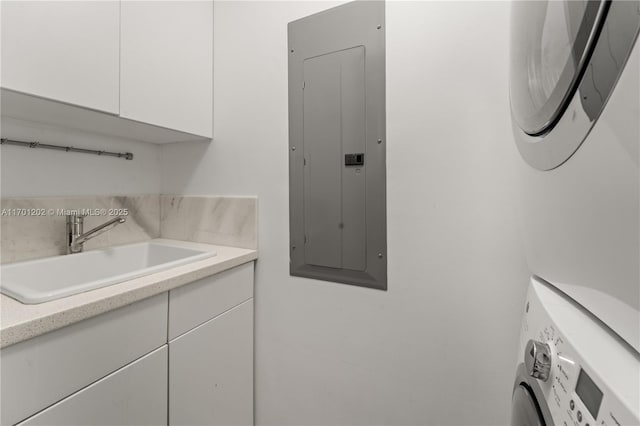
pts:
pixel 42 371
pixel 211 371
pixel 125 368
pixel 134 395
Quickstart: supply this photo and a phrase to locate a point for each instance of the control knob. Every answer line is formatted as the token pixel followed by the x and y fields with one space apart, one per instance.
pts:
pixel 537 360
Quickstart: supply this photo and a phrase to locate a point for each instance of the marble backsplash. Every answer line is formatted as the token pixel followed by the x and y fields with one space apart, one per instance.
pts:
pixel 35 227
pixel 226 221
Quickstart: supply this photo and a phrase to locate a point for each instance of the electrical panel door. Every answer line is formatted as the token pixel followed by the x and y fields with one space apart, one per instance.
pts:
pixel 337 149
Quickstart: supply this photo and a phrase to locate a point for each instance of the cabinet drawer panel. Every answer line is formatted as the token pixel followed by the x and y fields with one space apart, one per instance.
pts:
pixel 211 371
pixel 39 372
pixel 198 302
pixel 134 395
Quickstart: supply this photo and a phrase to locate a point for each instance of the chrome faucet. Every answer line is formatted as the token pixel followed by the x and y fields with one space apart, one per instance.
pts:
pixel 76 236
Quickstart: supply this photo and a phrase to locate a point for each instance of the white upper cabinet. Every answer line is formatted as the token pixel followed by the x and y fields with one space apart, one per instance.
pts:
pixel 67 51
pixel 147 64
pixel 167 64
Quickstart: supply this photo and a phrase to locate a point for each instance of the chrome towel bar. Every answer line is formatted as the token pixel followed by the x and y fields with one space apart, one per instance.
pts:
pixel 125 155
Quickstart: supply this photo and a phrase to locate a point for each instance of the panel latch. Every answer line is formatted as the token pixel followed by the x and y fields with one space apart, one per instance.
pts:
pixel 354 159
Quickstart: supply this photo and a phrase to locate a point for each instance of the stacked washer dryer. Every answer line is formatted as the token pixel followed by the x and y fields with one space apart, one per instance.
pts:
pixel 575 101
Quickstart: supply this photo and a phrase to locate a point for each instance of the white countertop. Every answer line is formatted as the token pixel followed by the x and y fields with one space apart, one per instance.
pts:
pixel 20 322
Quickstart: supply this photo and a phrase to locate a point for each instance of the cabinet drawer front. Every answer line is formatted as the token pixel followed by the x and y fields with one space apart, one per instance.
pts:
pixel 134 395
pixel 39 372
pixel 211 372
pixel 198 302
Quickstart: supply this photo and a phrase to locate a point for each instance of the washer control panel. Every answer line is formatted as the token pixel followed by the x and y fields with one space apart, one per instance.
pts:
pixel 561 391
pixel 587 376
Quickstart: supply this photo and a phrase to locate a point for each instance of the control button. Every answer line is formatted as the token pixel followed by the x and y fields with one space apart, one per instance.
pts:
pixel 572 405
pixel 579 416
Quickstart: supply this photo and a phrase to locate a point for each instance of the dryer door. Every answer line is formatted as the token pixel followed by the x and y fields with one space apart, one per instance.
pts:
pixel 566 57
pixel 524 410
pixel 550 42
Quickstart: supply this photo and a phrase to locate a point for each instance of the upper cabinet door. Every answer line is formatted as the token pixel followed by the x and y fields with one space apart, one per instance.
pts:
pixel 167 64
pixel 63 50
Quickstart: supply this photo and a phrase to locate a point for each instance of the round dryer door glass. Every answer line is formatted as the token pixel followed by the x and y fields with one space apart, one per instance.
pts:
pixel 523 409
pixel 550 45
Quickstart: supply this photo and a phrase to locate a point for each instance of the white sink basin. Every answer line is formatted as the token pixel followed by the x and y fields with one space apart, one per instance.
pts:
pixel 42 280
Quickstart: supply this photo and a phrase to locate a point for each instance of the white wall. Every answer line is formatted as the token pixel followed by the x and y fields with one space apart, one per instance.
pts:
pixel 440 346
pixel 41 172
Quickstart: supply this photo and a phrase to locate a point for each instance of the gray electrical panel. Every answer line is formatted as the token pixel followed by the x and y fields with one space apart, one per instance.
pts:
pixel 337 183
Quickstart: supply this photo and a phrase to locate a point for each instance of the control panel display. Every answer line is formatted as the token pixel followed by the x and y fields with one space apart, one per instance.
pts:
pixel 589 393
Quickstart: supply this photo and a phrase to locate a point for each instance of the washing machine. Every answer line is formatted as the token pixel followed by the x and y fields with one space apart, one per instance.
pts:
pixel 573 369
pixel 575 106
